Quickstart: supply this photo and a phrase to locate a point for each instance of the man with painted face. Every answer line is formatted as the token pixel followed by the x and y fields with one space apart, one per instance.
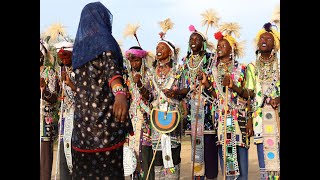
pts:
pixel 48 89
pixel 66 74
pixel 165 87
pixel 198 77
pixel 263 77
pixel 233 104
pixel 140 142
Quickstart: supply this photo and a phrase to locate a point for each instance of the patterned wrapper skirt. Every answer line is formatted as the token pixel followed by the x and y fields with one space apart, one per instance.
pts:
pixel 100 165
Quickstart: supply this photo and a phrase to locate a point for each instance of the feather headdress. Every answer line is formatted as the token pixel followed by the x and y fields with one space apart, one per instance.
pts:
pixel 226 31
pixel 165 26
pixel 149 59
pixel 230 28
pixel 275 18
pixel 210 18
pixel 54 31
pixel 131 30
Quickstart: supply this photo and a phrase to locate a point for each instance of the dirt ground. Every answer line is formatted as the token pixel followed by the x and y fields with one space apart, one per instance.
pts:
pixel 185 172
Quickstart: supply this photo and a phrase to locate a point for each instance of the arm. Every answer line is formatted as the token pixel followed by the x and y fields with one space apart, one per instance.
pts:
pixel 245 90
pixel 113 73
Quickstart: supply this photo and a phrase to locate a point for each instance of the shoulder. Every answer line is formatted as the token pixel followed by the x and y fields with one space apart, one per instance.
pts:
pixel 251 65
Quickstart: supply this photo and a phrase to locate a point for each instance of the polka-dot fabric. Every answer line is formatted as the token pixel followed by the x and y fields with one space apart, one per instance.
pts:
pixel 94 123
pixel 102 165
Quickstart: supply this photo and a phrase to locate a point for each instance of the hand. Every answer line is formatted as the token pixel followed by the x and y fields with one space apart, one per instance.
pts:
pixel 275 102
pixel 120 108
pixel 42 84
pixel 227 81
pixel 249 128
pixel 137 79
pixel 200 75
pixel 169 93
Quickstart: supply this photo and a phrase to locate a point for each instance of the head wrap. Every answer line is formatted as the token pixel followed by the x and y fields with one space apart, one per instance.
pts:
pixel 94 35
pixel 136 53
pixel 65 45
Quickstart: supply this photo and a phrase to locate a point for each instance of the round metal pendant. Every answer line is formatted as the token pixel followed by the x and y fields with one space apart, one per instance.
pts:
pixel 268 115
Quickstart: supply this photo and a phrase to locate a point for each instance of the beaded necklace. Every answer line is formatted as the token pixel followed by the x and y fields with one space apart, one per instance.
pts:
pixel 263 74
pixel 162 77
pixel 265 70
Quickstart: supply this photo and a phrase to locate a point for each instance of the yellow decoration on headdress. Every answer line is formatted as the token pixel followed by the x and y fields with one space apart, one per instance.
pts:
pixel 231 40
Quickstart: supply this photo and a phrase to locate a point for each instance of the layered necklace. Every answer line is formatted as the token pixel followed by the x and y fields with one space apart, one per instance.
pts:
pixel 267 67
pixel 163 74
pixel 265 71
pixel 194 64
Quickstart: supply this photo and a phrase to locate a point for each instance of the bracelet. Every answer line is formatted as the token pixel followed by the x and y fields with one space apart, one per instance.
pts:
pixel 117 87
pixel 47 96
pixel 113 78
pixel 119 92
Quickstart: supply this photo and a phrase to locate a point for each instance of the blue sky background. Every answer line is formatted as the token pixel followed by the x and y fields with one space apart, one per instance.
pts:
pixel 250 14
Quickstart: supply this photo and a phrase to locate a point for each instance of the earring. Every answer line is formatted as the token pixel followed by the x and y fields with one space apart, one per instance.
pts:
pixel 272 52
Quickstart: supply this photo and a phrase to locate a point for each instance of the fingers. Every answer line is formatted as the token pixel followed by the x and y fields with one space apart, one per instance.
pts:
pixel 123 116
pixel 120 110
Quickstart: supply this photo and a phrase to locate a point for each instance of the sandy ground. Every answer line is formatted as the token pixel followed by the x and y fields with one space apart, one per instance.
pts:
pixel 186 162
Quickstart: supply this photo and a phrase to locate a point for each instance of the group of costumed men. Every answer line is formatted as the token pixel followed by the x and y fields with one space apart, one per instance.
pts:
pixel 208 95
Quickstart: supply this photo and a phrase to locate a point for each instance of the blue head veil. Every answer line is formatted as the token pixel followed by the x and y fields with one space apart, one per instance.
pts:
pixel 94 35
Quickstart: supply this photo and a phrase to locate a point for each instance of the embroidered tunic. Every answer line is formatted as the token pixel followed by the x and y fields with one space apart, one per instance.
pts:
pixel 236 115
pixel 190 82
pixel 264 79
pixel 139 113
pixel 167 160
pixel 205 124
pixel 46 124
pixel 155 85
pixel 68 116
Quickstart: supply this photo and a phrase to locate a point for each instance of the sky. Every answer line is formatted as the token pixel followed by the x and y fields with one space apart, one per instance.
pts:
pixel 249 14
